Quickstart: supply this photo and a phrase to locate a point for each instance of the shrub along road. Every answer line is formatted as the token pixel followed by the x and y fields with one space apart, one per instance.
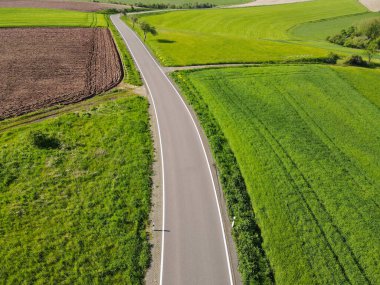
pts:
pixel 194 244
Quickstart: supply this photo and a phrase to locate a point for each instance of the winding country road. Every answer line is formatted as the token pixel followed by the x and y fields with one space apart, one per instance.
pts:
pixel 194 246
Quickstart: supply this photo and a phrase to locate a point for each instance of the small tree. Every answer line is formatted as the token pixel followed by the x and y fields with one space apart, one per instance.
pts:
pixel 125 11
pixel 134 20
pixel 370 28
pixel 146 28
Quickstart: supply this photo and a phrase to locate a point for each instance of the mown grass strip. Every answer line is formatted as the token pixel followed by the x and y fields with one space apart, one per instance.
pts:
pixel 75 196
pixel 40 17
pixel 253 263
pixel 131 73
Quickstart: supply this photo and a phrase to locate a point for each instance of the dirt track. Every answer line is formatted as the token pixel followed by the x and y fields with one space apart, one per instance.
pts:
pixel 56 4
pixel 372 5
pixel 47 66
pixel 265 3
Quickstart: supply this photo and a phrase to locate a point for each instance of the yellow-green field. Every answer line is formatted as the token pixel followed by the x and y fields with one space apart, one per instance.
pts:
pixel 256 34
pixel 31 17
pixel 306 140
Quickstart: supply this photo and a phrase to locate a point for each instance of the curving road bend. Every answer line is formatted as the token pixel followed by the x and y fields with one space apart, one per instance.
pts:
pixel 194 248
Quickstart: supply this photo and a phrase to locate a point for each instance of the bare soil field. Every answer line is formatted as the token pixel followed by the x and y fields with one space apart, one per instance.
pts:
pixel 266 3
pixel 372 5
pixel 56 4
pixel 41 67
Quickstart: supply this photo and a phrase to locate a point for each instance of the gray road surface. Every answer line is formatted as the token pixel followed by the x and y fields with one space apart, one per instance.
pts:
pixel 194 245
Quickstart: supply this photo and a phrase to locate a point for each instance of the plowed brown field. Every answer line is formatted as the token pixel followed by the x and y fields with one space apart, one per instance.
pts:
pixel 41 67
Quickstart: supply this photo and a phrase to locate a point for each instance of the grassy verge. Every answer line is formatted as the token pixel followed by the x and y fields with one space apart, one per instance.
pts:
pixel 38 17
pixel 308 153
pixel 59 109
pixel 75 196
pixel 253 264
pixel 131 74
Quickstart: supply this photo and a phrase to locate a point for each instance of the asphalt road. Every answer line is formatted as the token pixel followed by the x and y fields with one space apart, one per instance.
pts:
pixel 194 244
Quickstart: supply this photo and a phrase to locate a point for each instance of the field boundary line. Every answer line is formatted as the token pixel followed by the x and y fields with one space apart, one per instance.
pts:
pixel 204 152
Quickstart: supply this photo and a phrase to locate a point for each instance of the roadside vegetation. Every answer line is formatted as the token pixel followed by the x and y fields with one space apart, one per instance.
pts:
pixel 257 34
pixel 309 158
pixel 32 17
pixel 75 195
pixel 131 74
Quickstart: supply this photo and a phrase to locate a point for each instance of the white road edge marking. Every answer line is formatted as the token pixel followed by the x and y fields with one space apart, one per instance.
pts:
pixel 161 154
pixel 204 152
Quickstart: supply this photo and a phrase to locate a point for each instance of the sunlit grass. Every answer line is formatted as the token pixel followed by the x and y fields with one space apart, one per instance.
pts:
pixel 75 196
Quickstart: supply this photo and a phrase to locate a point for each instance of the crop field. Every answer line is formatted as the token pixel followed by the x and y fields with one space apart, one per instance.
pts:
pixel 67 5
pixel 32 17
pixel 309 151
pixel 47 66
pixel 257 34
pixel 75 196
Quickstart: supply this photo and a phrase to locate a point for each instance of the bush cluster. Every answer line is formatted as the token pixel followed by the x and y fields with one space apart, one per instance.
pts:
pixel 355 60
pixel 42 140
pixel 362 36
pixel 124 11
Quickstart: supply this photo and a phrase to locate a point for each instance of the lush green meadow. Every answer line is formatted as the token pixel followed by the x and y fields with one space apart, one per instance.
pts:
pixel 256 34
pixel 31 17
pixel 309 151
pixel 75 196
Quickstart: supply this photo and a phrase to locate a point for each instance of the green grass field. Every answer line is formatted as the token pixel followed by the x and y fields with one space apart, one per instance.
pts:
pixel 309 151
pixel 77 212
pixel 257 34
pixel 31 17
